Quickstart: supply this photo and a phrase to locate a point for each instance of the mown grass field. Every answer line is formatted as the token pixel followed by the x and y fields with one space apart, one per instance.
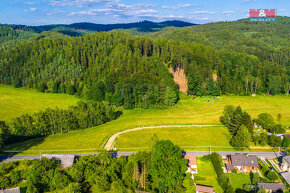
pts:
pixel 239 179
pixel 207 174
pixel 17 101
pixel 187 111
pixel 185 137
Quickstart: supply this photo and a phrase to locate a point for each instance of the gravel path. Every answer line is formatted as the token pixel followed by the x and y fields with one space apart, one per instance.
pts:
pixel 110 143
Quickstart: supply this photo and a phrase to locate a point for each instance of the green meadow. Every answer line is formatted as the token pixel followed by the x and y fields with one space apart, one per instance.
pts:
pixel 187 111
pixel 239 179
pixel 188 138
pixel 17 101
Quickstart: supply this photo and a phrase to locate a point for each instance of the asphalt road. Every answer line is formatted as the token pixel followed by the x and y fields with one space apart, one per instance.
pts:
pixel 263 155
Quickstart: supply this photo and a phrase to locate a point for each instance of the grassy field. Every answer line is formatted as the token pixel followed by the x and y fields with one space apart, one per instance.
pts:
pixel 185 137
pixel 238 180
pixel 17 101
pixel 187 111
pixel 206 171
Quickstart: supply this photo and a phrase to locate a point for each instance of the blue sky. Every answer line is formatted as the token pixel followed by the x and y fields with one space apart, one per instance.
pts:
pixel 42 12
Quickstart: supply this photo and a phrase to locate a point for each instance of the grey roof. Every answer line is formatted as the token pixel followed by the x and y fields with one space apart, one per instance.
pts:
pixel 286 176
pixel 12 190
pixel 287 159
pixel 65 160
pixel 230 167
pixel 271 186
pixel 244 160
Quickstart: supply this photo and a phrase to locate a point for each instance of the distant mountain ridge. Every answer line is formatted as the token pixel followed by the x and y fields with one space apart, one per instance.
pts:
pixel 142 26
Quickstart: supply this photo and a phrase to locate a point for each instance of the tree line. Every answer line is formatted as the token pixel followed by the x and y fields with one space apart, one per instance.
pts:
pixel 52 121
pixel 143 171
pixel 133 71
pixel 241 127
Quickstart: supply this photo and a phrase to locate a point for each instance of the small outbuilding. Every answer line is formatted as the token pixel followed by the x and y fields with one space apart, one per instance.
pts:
pixel 11 190
pixel 271 187
pixel 203 189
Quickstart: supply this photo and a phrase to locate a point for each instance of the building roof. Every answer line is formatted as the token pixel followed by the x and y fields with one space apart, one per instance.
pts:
pixel 230 167
pixel 286 176
pixel 191 160
pixel 11 190
pixel 287 159
pixel 201 188
pixel 65 160
pixel 244 160
pixel 271 186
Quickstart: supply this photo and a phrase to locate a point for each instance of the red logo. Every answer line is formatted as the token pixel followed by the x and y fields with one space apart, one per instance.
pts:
pixel 263 13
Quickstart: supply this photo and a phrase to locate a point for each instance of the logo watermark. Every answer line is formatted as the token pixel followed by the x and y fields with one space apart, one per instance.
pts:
pixel 263 15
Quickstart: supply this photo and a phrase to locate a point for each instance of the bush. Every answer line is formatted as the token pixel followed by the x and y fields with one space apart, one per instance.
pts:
pixel 278 128
pixel 217 163
pixel 200 178
pixel 271 175
pixel 73 188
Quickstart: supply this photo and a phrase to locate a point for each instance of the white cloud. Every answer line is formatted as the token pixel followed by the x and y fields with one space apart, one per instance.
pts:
pixel 116 12
pixel 171 16
pixel 32 9
pixel 203 12
pixel 54 12
pixel 176 6
pixel 29 3
pixel 78 3
pixel 282 10
pixel 228 12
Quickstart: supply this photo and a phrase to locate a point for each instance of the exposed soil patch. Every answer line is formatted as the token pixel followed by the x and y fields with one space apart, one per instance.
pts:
pixel 180 78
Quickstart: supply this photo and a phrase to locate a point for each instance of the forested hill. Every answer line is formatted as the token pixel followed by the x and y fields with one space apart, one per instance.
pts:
pixel 78 29
pixel 268 41
pixel 133 71
pixel 14 32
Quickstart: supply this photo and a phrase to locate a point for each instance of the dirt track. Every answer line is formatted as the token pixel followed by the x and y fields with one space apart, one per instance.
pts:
pixel 110 143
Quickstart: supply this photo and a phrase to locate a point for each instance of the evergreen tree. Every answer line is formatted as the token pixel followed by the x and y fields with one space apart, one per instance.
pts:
pixel 170 97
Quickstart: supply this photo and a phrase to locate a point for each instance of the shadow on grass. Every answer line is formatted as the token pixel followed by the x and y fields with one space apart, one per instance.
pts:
pixel 11 150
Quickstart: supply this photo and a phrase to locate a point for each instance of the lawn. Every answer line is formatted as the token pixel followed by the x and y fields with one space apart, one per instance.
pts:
pixel 187 111
pixel 238 180
pixel 206 174
pixel 185 137
pixel 17 101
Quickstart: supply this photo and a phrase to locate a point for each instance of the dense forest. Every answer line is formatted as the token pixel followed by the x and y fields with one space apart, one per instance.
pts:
pixel 14 32
pixel 132 71
pixel 267 41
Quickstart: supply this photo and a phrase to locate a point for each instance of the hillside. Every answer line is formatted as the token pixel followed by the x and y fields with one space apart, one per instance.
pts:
pixel 133 71
pixel 268 41
pixel 78 29
pixel 14 32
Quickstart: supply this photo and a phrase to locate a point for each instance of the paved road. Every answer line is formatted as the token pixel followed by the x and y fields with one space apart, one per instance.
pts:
pixel 264 155
pixel 110 143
